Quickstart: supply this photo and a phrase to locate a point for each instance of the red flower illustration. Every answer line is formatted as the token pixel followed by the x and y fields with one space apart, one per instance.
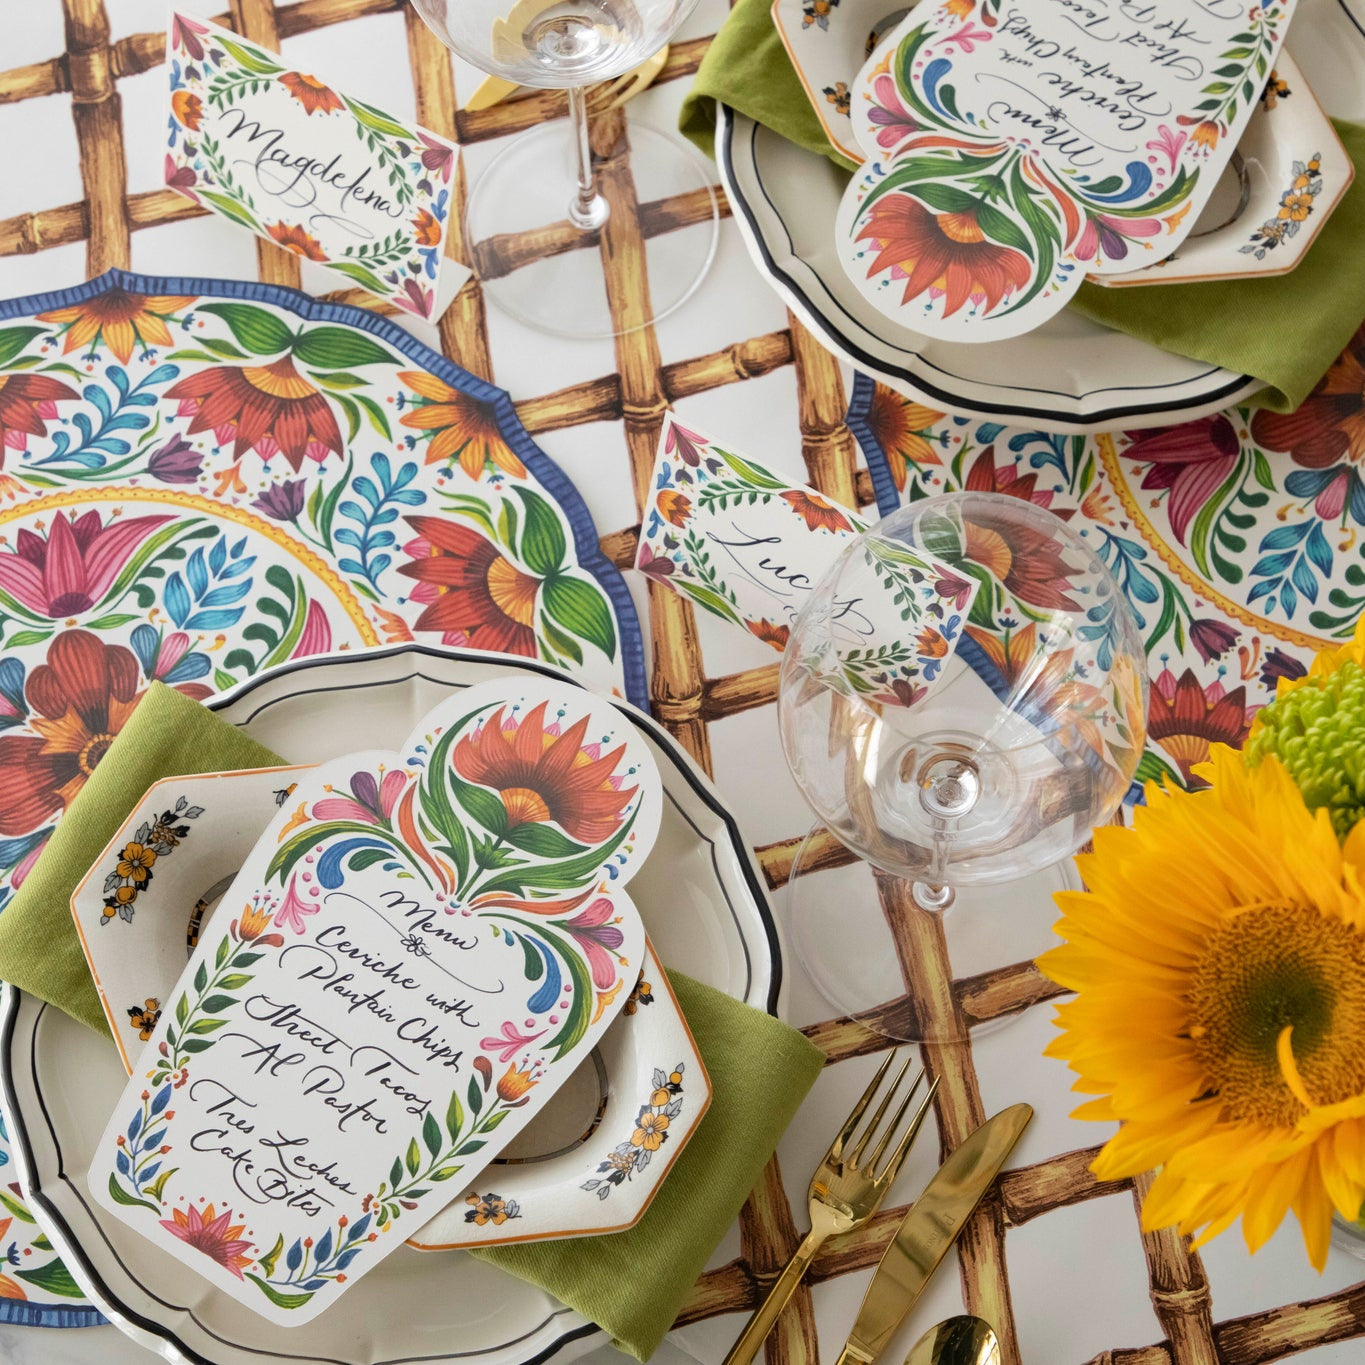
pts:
pixel 1027 561
pixel 119 319
pixel 540 775
pixel 985 476
pixel 904 430
pixel 595 931
pixel 213 1233
pixel 26 400
pixel 73 568
pixel 941 253
pixel 815 511
pixel 267 408
pixel 1192 460
pixel 81 698
pixel 293 238
pixel 474 591
pixel 310 92
pixel 1185 719
pixel 1326 435
pixel 771 634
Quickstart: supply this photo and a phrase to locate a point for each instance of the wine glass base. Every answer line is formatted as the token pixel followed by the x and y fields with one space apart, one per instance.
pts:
pixel 527 189
pixel 874 953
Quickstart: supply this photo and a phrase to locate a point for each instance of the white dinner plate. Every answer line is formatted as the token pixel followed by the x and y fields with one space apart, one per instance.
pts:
pixel 699 893
pixel 1071 374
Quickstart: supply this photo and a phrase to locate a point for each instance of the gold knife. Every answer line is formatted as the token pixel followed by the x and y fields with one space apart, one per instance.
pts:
pixel 929 1229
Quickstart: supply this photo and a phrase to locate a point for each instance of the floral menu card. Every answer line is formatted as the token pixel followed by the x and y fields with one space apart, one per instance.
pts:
pixel 418 952
pixel 740 542
pixel 1014 147
pixel 324 175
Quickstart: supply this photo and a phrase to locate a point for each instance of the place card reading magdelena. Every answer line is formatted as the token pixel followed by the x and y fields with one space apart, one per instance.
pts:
pixel 302 164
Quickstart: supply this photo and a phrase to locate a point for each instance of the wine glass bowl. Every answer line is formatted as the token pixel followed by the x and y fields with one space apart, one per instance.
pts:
pixel 1024 735
pixel 962 700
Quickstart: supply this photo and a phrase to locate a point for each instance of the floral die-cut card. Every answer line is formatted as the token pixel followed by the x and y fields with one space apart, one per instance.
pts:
pixel 1013 148
pixel 742 543
pixel 421 948
pixel 324 175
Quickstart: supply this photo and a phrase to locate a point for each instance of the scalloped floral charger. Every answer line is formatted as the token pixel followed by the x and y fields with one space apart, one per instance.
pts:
pixel 201 479
pixel 1237 538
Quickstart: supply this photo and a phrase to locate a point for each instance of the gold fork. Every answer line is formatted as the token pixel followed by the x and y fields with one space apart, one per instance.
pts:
pixel 845 1192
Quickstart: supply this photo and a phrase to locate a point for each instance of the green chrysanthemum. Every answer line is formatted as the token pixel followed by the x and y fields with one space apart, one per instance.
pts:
pixel 1316 730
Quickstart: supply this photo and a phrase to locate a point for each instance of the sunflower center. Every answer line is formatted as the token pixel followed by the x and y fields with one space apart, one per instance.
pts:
pixel 513 592
pixel 961 227
pixel 1270 968
pixel 92 752
pixel 525 806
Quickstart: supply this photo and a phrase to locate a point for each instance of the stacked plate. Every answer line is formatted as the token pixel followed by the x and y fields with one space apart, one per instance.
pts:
pixel 1071 374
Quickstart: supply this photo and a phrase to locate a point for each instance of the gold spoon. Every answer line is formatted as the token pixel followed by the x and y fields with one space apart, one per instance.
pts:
pixel 962 1340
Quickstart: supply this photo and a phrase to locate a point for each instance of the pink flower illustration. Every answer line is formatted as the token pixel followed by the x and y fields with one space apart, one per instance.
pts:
pixel 1168 143
pixel 294 909
pixel 371 802
pixel 509 1042
pixel 595 934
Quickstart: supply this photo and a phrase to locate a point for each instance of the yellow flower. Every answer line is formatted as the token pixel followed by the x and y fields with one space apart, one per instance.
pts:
pixel 514 1085
pixel 649 1130
pixel 1296 207
pixel 136 862
pixel 1218 962
pixel 462 427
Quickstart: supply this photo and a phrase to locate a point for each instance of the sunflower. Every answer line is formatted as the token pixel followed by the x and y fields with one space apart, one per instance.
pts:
pixel 1219 966
pixel 293 238
pixel 942 253
pixel 119 319
pixel 459 426
pixel 904 430
pixel 311 93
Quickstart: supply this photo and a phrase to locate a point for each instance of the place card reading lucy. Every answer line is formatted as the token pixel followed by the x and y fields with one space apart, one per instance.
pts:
pixel 743 544
pixel 1013 147
pixel 326 176
pixel 418 952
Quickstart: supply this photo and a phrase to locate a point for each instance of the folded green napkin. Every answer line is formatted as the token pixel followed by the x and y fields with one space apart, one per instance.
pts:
pixel 632 1284
pixel 1284 329
pixel 169 735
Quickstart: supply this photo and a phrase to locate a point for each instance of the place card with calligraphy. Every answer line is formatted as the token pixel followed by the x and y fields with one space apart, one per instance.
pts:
pixel 743 544
pixel 418 952
pixel 302 164
pixel 1013 148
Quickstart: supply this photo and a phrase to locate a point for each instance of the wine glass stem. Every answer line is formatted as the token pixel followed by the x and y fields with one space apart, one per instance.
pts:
pixel 589 209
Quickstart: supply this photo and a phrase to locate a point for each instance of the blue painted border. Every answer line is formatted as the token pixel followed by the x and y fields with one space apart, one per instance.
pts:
pixel 551 477
pixel 883 485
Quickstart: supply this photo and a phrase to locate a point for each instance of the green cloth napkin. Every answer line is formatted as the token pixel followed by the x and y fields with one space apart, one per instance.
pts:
pixel 169 735
pixel 1285 329
pixel 633 1283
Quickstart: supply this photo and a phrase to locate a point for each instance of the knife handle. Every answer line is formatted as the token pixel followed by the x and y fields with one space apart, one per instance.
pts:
pixel 755 1333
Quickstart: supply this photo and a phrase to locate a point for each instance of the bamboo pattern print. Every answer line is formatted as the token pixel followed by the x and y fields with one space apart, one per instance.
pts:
pixel 683 696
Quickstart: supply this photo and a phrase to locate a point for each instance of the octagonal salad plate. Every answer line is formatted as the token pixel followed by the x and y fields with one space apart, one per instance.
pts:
pixel 701 900
pixel 591 1163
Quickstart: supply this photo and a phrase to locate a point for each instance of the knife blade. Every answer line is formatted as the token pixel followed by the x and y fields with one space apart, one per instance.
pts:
pixel 928 1230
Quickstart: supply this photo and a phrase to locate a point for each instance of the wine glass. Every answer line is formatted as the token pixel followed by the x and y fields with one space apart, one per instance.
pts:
pixel 962 700
pixel 545 180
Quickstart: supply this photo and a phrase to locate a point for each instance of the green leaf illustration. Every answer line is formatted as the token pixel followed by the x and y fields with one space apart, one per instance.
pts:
pixel 454 1116
pixel 338 348
pixel 542 538
pixel 277 1296
pixel 14 339
pixel 247 57
pixel 121 1196
pixel 54 1277
pixel 267 1262
pixel 261 332
pixel 431 1134
pixel 414 1157
pixel 231 207
pixel 579 607
pixel 543 842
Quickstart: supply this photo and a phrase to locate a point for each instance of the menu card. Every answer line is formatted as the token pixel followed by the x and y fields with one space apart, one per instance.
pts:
pixel 418 952
pixel 1014 147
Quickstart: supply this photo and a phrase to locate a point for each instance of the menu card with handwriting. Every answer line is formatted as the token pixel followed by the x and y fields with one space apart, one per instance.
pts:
pixel 419 951
pixel 1014 147
pixel 309 167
